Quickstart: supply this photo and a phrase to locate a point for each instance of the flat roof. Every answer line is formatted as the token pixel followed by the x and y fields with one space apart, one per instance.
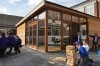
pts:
pixel 48 4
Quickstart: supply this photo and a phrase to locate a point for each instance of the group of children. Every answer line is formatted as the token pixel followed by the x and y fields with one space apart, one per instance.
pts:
pixel 12 41
pixel 83 50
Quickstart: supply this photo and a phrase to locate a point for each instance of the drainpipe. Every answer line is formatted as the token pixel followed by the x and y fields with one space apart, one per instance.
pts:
pixel 97 4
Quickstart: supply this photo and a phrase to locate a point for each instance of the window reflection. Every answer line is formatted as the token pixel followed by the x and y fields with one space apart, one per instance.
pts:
pixel 35 31
pixel 30 37
pixel 41 31
pixel 83 31
pixel 27 35
pixel 75 19
pixel 82 20
pixel 66 17
pixel 34 36
pixel 53 15
pixel 54 25
pixel 65 35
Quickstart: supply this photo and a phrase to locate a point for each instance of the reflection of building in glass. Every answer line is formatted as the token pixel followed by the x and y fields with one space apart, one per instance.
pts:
pixel 50 27
pixel 7 23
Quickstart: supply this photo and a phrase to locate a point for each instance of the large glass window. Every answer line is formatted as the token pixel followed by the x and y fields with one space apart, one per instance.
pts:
pixel 66 36
pixel 83 29
pixel 35 35
pixel 27 34
pixel 41 27
pixel 35 19
pixel 82 20
pixel 75 29
pixel 66 17
pixel 75 19
pixel 30 21
pixel 78 29
pixel 30 31
pixel 53 15
pixel 54 31
pixel 30 35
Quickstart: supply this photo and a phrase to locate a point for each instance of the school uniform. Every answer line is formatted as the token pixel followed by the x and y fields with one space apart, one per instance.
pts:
pixel 11 43
pixel 86 47
pixel 17 44
pixel 83 55
pixel 95 41
pixel 3 45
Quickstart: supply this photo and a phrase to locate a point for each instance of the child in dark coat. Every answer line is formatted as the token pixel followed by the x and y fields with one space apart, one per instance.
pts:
pixel 95 41
pixel 3 44
pixel 11 42
pixel 17 44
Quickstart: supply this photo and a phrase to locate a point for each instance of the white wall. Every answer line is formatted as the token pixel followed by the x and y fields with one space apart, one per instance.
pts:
pixel 89 8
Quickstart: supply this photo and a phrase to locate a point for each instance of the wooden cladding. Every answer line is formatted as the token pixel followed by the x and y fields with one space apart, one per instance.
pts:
pixel 21 33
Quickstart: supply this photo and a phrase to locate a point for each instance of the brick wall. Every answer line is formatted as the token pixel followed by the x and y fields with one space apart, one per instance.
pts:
pixel 21 32
pixel 94 27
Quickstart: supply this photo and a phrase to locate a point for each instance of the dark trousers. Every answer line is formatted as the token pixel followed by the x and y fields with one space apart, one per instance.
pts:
pixel 94 46
pixel 83 61
pixel 2 51
pixel 16 48
pixel 11 47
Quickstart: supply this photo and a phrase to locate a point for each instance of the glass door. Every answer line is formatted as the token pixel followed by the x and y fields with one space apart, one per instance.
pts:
pixel 65 35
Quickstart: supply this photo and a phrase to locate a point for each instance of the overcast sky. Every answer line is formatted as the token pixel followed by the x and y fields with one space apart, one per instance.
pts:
pixel 22 7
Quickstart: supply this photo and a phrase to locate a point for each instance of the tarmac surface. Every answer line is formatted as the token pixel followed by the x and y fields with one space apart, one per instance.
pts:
pixel 30 57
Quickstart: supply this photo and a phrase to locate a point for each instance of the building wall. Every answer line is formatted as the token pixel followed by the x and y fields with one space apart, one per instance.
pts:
pixel 81 8
pixel 21 33
pixel 89 8
pixel 3 31
pixel 94 25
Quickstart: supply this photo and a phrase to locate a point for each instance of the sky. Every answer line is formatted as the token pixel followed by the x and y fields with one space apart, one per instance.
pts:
pixel 23 7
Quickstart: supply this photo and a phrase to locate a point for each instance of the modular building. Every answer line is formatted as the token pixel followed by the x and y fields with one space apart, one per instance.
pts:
pixel 50 27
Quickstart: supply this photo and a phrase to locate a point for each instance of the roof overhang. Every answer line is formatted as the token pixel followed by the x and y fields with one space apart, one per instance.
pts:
pixel 62 9
pixel 52 6
pixel 39 6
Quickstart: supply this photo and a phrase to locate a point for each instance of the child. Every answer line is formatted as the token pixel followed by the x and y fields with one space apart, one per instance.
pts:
pixel 85 45
pixel 83 60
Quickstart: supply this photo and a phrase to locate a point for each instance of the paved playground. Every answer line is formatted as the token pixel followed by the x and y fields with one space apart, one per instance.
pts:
pixel 30 57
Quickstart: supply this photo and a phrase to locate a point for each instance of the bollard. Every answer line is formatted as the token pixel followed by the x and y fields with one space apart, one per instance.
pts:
pixel 70 55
